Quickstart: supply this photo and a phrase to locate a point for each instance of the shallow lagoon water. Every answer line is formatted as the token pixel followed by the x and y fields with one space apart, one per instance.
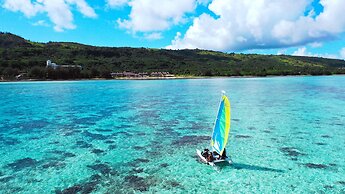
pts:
pixel 287 136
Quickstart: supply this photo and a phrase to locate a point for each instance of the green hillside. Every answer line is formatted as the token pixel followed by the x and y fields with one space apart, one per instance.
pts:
pixel 22 56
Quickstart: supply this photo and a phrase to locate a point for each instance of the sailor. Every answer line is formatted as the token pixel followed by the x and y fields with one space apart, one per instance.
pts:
pixel 205 153
pixel 210 158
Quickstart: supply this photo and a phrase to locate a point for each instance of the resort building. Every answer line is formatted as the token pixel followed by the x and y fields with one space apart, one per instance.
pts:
pixel 51 65
pixel 161 74
pixel 142 74
pixel 55 66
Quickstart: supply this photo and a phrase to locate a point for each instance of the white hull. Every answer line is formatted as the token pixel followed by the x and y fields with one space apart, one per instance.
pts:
pixel 204 160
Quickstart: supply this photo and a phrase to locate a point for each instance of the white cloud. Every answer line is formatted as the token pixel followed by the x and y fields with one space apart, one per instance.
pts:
pixel 58 11
pixel 302 51
pixel 281 52
pixel 25 6
pixel 60 14
pixel 83 7
pixel 153 36
pixel 247 24
pixel 342 53
pixel 117 3
pixel 203 2
pixel 153 16
pixel 316 44
pixel 40 23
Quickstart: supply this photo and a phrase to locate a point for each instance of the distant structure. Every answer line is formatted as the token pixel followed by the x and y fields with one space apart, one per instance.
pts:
pixel 161 74
pixel 55 66
pixel 51 65
pixel 21 76
pixel 141 75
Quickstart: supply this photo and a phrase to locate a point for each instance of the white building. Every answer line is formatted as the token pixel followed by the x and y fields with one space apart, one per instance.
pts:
pixel 55 66
pixel 51 65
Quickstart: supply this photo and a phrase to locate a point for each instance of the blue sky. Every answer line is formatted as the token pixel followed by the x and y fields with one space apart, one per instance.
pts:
pixel 303 27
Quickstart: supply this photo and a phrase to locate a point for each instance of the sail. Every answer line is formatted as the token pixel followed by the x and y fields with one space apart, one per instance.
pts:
pixel 222 127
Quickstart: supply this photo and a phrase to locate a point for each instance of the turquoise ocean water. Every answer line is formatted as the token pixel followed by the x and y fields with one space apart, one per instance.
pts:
pixel 287 136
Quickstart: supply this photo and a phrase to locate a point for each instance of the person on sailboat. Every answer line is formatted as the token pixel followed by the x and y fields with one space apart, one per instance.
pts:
pixel 210 157
pixel 205 153
pixel 220 134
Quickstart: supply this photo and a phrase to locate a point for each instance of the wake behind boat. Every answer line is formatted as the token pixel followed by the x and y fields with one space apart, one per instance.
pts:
pixel 220 136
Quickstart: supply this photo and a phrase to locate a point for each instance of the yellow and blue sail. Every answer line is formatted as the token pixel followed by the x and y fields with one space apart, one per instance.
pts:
pixel 222 127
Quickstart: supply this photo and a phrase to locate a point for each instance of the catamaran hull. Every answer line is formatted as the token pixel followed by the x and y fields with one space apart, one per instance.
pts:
pixel 204 160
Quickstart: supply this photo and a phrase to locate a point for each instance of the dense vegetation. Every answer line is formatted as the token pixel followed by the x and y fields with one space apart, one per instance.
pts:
pixel 22 56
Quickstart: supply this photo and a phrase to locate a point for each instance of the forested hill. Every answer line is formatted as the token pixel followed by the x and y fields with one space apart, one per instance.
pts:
pixel 22 56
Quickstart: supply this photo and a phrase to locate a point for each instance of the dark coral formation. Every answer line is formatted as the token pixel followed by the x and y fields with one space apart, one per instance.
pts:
pixel 104 130
pixel 137 170
pixel 22 164
pixel 139 147
pixel 86 187
pixel 139 183
pixel 95 136
pixel 63 154
pixel 83 144
pixel 341 182
pixel 164 165
pixel 54 164
pixel 320 143
pixel 143 160
pixel 112 147
pixel 243 136
pixel 291 151
pixel 68 155
pixel 5 179
pixel 70 132
pixel 8 140
pixel 316 166
pixel 137 161
pixel 190 140
pixel 102 168
pixel 97 151
pixel 122 133
pixel 109 141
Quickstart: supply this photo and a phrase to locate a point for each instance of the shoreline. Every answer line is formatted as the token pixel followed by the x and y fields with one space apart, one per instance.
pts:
pixel 163 78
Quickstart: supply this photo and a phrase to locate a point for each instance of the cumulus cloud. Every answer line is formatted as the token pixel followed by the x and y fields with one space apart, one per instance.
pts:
pixel 153 36
pixel 151 16
pixel 58 11
pixel 116 3
pixel 83 7
pixel 302 51
pixel 40 23
pixel 25 6
pixel 248 24
pixel 342 53
pixel 203 2
pixel 316 44
pixel 281 52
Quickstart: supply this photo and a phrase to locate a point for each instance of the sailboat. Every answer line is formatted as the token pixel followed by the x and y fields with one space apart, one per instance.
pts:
pixel 220 135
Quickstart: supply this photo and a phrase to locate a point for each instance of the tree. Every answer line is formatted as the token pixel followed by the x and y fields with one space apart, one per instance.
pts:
pixel 10 72
pixel 94 73
pixel 37 72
